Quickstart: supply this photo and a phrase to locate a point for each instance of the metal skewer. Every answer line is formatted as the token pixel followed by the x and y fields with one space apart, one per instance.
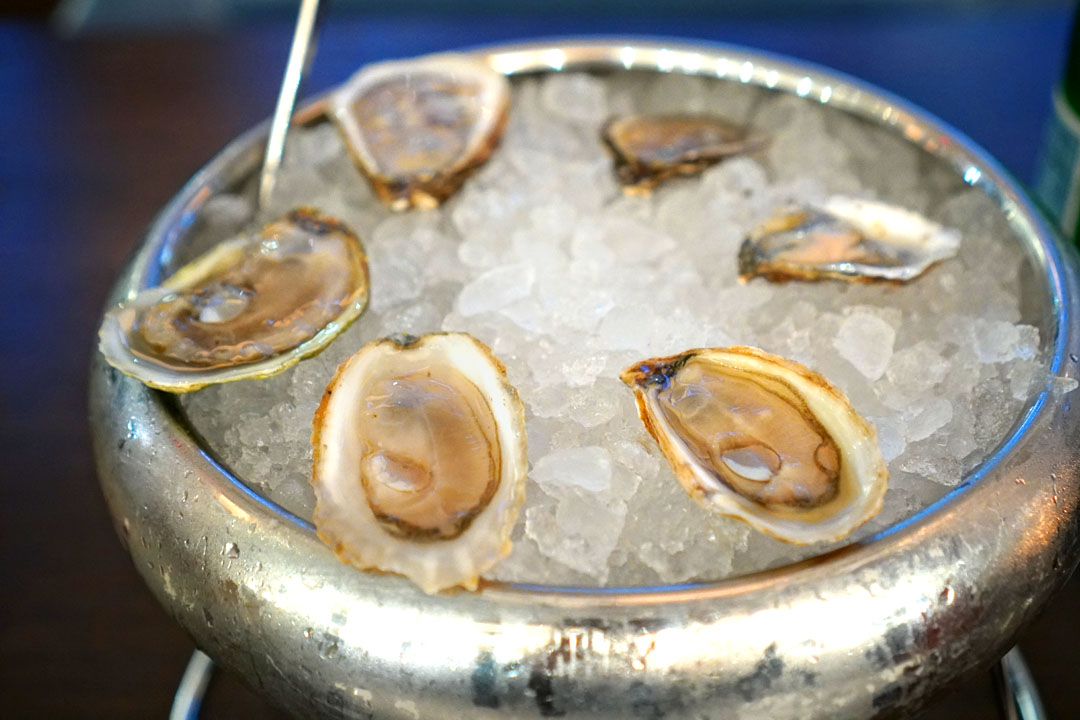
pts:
pixel 300 56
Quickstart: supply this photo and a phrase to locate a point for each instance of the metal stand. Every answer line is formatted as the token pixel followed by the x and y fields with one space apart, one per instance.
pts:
pixel 1017 692
pixel 189 694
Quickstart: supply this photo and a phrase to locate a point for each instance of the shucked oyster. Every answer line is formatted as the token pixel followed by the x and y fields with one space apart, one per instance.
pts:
pixel 417 128
pixel 649 149
pixel 847 239
pixel 250 307
pixel 420 459
pixel 763 439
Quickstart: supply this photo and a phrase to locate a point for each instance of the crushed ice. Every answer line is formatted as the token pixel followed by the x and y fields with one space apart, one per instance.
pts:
pixel 568 281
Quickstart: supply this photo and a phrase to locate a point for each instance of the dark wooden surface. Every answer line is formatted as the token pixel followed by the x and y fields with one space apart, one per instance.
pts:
pixel 97 134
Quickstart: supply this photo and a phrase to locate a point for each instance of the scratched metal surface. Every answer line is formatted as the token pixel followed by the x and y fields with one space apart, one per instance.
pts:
pixel 875 628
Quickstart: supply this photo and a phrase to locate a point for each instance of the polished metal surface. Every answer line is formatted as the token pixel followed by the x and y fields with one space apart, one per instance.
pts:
pixel 301 53
pixel 875 628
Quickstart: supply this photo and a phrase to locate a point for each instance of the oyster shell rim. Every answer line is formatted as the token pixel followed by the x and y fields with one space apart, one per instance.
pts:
pixel 431 192
pixel 637 178
pixel 846 208
pixel 502 510
pixel 870 489
pixel 156 375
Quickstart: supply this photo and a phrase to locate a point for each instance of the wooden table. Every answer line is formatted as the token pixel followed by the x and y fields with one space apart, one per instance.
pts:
pixel 97 134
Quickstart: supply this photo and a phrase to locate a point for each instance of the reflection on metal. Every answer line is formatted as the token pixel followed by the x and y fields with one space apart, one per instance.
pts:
pixel 300 56
pixel 555 59
pixel 1017 690
pixel 875 628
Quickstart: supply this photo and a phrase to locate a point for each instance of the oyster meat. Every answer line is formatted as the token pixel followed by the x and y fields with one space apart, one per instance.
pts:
pixel 846 239
pixel 762 439
pixel 649 149
pixel 420 459
pixel 250 307
pixel 418 127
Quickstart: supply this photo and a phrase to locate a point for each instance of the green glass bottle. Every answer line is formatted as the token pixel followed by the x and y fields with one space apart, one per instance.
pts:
pixel 1057 183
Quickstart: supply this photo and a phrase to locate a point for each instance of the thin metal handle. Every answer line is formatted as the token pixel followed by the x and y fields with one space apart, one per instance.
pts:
pixel 300 56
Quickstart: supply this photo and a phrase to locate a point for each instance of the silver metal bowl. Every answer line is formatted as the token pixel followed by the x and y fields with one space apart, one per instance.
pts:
pixel 874 628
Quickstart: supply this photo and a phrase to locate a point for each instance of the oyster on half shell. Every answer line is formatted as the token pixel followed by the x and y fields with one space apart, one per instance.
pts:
pixel 649 149
pixel 417 128
pixel 762 439
pixel 250 307
pixel 846 239
pixel 420 459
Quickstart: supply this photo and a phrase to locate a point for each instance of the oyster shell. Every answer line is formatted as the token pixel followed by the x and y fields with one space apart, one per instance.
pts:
pixel 763 439
pixel 649 149
pixel 846 239
pixel 250 307
pixel 418 127
pixel 420 459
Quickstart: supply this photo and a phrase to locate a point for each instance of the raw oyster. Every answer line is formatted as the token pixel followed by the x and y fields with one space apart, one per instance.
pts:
pixel 418 127
pixel 250 307
pixel 847 239
pixel 649 149
pixel 763 439
pixel 420 459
